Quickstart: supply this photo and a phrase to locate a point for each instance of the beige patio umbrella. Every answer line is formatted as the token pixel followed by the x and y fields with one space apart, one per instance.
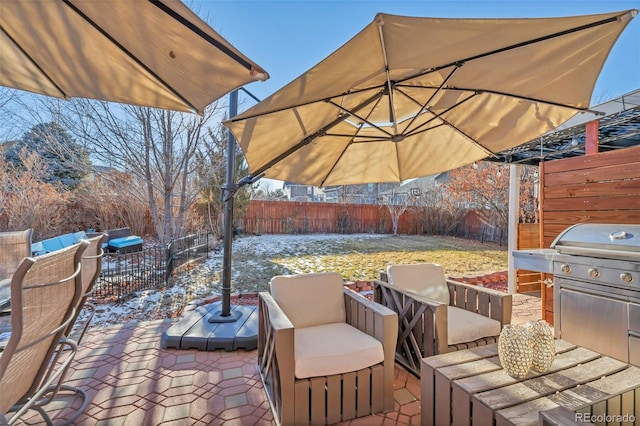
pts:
pixel 410 97
pixel 149 53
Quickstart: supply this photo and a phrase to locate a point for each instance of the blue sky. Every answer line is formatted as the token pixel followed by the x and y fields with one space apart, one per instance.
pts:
pixel 288 37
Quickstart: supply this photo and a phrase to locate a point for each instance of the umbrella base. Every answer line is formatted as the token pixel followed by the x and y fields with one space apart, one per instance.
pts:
pixel 200 329
pixel 217 317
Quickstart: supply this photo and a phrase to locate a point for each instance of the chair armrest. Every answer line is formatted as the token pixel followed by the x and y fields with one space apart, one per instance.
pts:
pixel 409 305
pixel 484 301
pixel 381 323
pixel 276 356
pixel 275 329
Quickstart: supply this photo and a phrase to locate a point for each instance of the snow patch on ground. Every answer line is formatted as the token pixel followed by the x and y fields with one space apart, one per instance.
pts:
pixel 251 262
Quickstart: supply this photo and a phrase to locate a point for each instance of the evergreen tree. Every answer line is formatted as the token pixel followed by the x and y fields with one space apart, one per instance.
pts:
pixel 66 161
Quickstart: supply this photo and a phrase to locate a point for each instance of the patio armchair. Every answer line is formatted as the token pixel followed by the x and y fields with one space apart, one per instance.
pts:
pixel 44 293
pixel 437 315
pixel 325 353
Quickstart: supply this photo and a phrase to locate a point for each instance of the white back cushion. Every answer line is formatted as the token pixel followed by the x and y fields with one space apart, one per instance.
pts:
pixel 310 299
pixel 426 279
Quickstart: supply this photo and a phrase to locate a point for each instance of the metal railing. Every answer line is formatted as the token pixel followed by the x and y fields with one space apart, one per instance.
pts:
pixel 150 268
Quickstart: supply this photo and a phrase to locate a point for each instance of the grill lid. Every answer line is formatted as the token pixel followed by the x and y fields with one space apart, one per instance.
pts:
pixel 621 241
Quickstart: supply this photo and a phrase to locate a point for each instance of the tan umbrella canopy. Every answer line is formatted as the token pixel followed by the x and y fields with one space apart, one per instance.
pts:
pixel 409 97
pixel 150 53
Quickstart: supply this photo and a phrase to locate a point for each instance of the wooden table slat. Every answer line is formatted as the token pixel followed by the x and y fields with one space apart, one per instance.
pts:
pixel 548 384
pixel 496 379
pixel 574 399
pixel 469 387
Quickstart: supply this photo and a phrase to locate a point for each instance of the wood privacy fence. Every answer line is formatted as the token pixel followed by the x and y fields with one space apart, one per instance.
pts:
pixel 283 217
pixel 528 238
pixel 279 217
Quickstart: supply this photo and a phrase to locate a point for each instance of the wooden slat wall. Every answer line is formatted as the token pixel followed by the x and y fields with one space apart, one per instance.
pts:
pixel 600 188
pixel 528 238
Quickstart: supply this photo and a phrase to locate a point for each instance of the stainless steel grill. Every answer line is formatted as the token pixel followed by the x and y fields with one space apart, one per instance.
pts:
pixel 596 271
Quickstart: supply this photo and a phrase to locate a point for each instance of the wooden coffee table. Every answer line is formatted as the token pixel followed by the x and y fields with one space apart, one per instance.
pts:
pixel 470 387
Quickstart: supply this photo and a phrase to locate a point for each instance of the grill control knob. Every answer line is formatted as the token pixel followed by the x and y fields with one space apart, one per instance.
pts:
pixel 593 272
pixel 565 268
pixel 625 277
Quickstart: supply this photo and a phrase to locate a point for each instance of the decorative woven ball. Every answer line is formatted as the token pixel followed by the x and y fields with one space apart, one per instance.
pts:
pixel 543 345
pixel 514 350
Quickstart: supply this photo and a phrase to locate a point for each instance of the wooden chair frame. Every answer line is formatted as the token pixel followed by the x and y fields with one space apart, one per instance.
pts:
pixel 329 399
pixel 423 323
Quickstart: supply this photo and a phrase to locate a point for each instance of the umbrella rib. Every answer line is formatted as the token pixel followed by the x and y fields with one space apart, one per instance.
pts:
pixel 424 106
pixel 467 137
pixel 35 64
pixel 527 98
pixel 366 120
pixel 514 46
pixel 347 93
pixel 335 163
pixel 495 92
pixel 129 54
pixel 320 132
pixel 371 137
pixel 352 141
pixel 392 111
pixel 439 115
pixel 190 25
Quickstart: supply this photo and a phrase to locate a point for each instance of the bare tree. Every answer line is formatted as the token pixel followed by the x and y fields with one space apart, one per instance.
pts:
pixel 396 202
pixel 485 189
pixel 439 212
pixel 211 177
pixel 9 102
pixel 155 146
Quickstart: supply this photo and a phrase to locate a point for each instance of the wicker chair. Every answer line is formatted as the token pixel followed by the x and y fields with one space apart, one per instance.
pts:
pixel 44 293
pixel 14 246
pixel 437 315
pixel 325 353
pixel 91 266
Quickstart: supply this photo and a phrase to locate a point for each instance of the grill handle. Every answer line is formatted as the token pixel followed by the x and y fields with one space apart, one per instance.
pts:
pixel 598 252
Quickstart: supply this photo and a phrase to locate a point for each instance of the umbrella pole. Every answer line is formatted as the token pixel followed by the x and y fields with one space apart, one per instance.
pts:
pixel 225 314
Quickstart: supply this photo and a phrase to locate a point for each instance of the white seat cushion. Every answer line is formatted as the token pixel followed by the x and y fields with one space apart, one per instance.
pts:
pixel 465 326
pixel 335 348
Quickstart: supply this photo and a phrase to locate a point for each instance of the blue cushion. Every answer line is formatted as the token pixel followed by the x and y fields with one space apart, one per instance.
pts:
pixel 67 240
pixel 37 249
pixel 125 241
pixel 52 244
pixel 80 235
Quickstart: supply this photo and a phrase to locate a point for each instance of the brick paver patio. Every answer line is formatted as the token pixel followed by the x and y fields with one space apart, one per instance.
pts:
pixel 131 381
